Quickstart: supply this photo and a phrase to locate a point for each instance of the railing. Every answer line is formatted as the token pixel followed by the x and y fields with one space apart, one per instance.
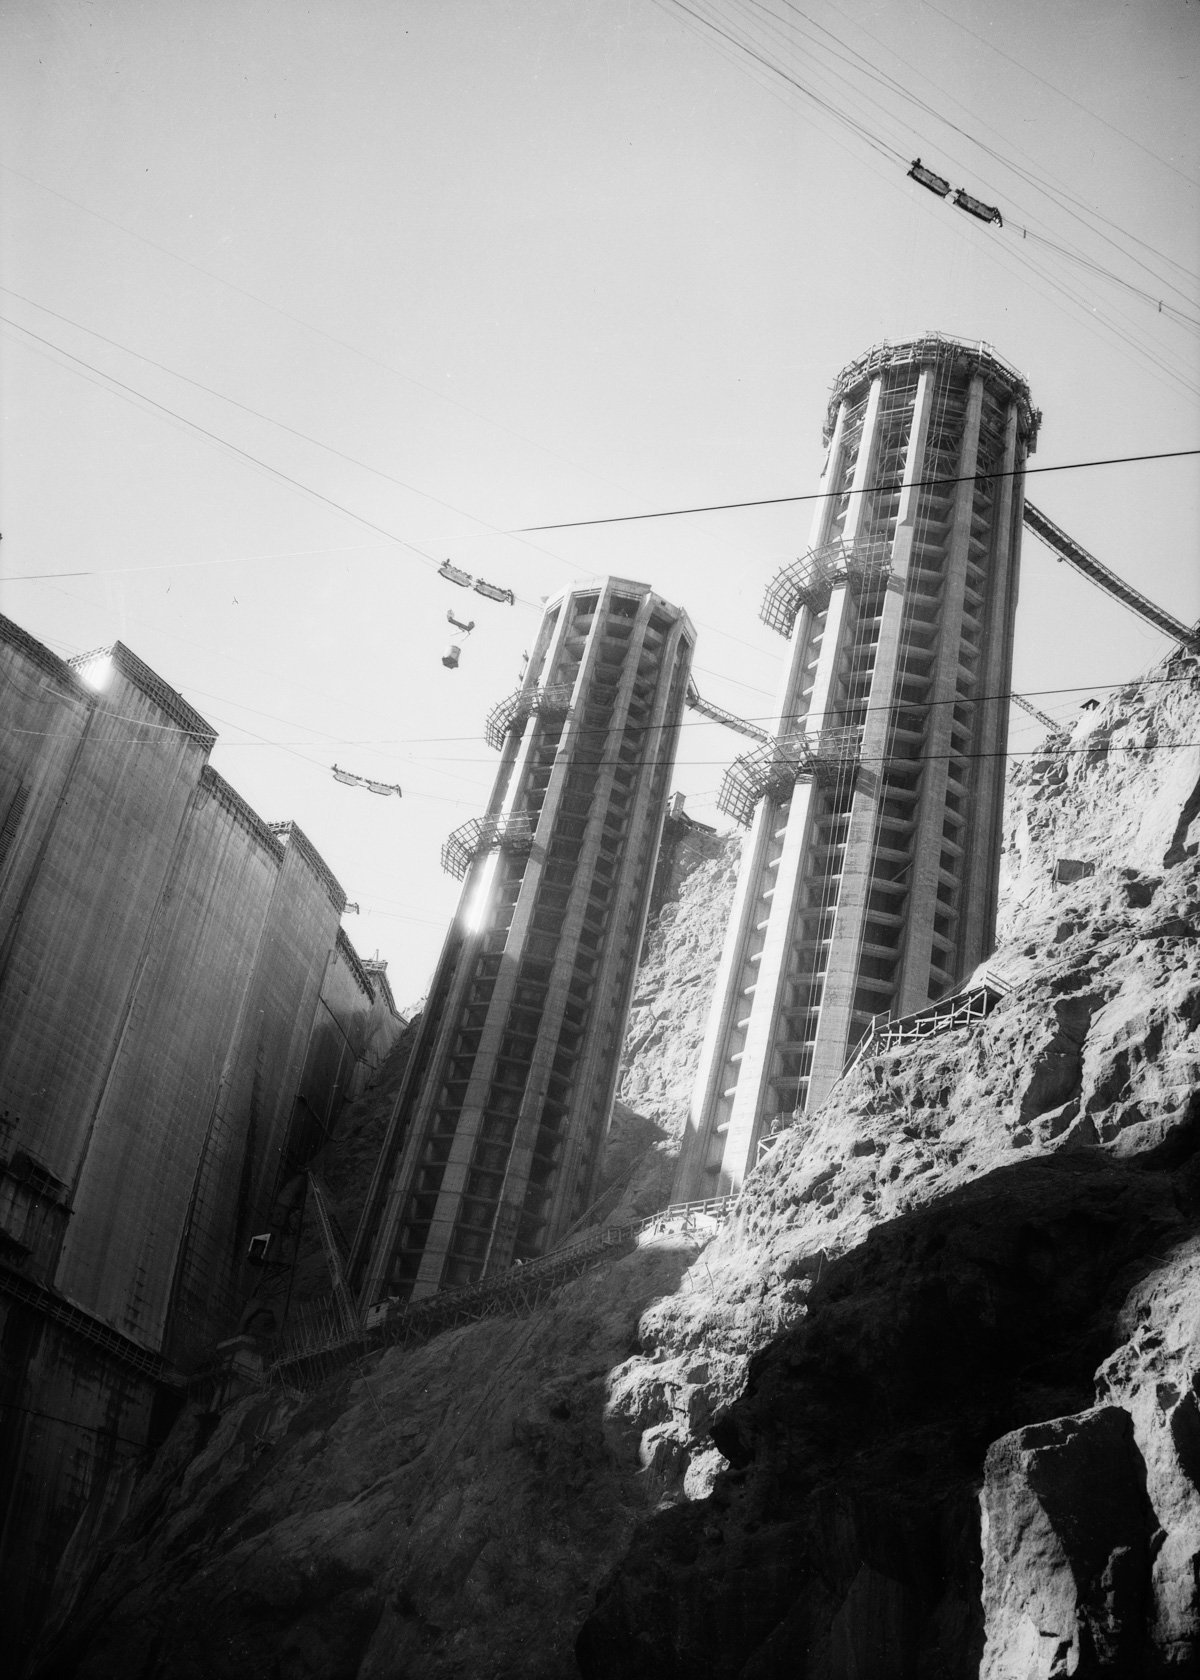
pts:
pixel 315 1340
pixel 553 700
pixel 973 1003
pixel 933 349
pixel 809 581
pixel 485 834
pixel 774 768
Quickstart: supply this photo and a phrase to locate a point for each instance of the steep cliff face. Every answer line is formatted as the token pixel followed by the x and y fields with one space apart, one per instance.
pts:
pixel 1121 787
pixel 666 1024
pixel 439 1512
pixel 927 1406
pixel 966 1284
pixel 675 983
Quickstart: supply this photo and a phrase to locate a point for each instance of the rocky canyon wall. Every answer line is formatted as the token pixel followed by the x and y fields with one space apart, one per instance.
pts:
pixel 926 1406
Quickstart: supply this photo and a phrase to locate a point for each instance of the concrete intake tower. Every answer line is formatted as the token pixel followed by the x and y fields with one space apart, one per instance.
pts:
pixel 868 878
pixel 494 1145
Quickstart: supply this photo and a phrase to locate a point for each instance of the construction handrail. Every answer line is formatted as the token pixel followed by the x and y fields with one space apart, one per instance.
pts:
pixel 1066 548
pixel 973 1002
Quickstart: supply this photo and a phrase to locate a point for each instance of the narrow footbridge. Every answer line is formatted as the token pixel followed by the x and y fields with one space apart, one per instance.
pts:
pixel 319 1339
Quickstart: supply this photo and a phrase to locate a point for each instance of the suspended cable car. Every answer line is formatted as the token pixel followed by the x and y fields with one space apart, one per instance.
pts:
pixel 490 592
pixel 464 580
pixel 977 208
pixel 349 779
pixel 926 178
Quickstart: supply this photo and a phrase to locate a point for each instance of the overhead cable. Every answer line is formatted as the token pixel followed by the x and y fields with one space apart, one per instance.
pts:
pixel 871 135
pixel 866 490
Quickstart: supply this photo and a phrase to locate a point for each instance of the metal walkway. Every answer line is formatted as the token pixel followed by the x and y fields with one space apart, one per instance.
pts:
pixel 317 1344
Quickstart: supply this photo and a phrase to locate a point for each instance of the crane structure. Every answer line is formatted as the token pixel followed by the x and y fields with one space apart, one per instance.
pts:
pixel 1066 548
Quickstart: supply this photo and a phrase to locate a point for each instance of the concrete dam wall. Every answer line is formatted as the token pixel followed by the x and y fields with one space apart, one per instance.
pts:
pixel 180 1017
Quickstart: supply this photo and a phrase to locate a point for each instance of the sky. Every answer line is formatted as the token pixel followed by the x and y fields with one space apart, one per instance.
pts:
pixel 301 300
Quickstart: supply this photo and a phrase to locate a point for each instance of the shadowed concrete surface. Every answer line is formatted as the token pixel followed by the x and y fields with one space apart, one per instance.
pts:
pixel 180 1018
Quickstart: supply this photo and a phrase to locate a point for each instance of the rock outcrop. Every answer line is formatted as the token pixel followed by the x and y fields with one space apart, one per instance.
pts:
pixel 1121 787
pixel 926 1407
pixel 960 1280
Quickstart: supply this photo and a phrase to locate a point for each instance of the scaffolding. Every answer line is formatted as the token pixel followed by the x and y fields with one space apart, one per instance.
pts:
pixel 773 769
pixel 552 701
pixel 809 581
pixel 513 833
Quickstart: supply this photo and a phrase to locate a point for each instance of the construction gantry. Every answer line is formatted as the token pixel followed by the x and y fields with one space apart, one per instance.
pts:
pixel 809 581
pixel 511 832
pixel 774 768
pixel 514 712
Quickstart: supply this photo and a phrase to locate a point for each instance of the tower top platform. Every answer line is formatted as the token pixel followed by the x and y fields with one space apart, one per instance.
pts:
pixel 939 350
pixel 629 587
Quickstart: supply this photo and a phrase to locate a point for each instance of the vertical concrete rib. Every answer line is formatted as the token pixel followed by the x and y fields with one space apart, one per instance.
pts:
pixel 929 869
pixel 752 1087
pixel 484 1058
pixel 824 710
pixel 977 918
pixel 835 1027
pixel 377 1230
pixel 703 1169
